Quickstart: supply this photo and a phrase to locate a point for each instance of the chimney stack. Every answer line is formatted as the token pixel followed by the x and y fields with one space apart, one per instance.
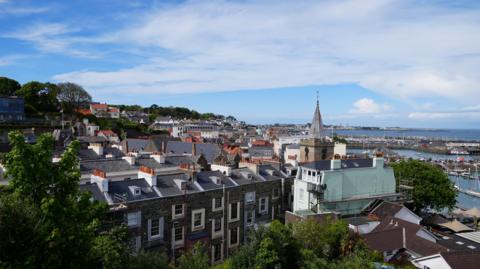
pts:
pixel 148 174
pixel 159 158
pixel 97 147
pixel 100 177
pixel 130 159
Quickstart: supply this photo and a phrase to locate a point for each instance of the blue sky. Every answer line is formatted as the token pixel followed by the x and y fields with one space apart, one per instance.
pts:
pixel 374 62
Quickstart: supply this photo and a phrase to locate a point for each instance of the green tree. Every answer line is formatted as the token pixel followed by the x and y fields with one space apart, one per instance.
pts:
pixel 147 260
pixel 197 258
pixel 244 258
pixel 8 86
pixel 267 256
pixel 72 96
pixel 40 98
pixel 431 186
pixel 64 224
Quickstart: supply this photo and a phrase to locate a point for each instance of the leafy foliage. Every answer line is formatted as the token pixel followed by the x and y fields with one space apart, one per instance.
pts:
pixel 197 258
pixel 8 86
pixel 306 244
pixel 40 98
pixel 72 96
pixel 431 186
pixel 47 221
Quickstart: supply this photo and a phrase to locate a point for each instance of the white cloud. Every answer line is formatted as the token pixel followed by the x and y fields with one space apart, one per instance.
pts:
pixel 398 48
pixel 368 106
pixel 51 38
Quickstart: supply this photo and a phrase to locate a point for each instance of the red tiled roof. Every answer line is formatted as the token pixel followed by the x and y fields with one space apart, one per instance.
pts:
pixel 84 112
pixel 99 106
pixel 107 132
pixel 114 110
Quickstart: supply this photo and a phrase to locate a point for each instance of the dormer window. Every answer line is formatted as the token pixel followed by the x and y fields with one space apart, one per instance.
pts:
pixel 216 180
pixel 135 190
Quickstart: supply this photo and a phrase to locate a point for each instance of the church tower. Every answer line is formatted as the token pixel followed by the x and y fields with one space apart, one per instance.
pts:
pixel 317 146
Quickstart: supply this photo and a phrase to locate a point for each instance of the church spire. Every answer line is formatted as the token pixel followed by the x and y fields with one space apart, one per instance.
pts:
pixel 316 130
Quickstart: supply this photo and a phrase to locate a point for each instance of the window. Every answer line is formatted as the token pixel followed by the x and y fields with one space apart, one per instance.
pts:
pixel 309 172
pixel 234 212
pixel 249 217
pixel 276 193
pixel 250 197
pixel 155 228
pixel 233 237
pixel 263 205
pixel 177 211
pixel 217 227
pixel 198 219
pixel 133 218
pixel 217 252
pixel 217 204
pixel 178 236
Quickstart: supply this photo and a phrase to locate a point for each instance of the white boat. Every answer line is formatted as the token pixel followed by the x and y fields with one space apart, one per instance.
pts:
pixel 458 152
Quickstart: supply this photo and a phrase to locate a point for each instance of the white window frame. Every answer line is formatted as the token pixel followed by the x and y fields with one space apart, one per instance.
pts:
pixel 265 211
pixel 252 198
pixel 178 243
pixel 177 216
pixel 230 212
pixel 230 239
pixel 253 217
pixel 219 233
pixel 161 225
pixel 217 208
pixel 213 254
pixel 137 215
pixel 202 219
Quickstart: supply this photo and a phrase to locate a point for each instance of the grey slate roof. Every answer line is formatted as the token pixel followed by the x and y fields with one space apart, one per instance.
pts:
pixel 92 139
pixel 149 162
pixel 260 152
pixel 238 175
pixel 269 172
pixel 345 164
pixel 136 145
pixel 106 165
pixel 167 186
pixel 204 180
pixel 121 189
pixel 209 150
pixel 88 154
pixel 94 191
pixel 178 159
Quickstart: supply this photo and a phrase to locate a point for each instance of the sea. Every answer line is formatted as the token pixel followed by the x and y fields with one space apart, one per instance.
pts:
pixel 435 134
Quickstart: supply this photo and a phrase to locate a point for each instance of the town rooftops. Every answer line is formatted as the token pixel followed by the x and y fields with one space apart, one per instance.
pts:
pixel 210 151
pixel 130 190
pixel 98 106
pixel 458 242
pixel 106 165
pixel 402 235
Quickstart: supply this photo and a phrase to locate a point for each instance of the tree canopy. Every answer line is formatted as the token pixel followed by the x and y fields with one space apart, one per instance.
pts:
pixel 306 244
pixel 45 220
pixel 72 96
pixel 431 186
pixel 8 86
pixel 40 98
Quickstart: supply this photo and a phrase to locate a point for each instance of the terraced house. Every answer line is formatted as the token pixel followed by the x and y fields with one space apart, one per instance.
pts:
pixel 172 210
